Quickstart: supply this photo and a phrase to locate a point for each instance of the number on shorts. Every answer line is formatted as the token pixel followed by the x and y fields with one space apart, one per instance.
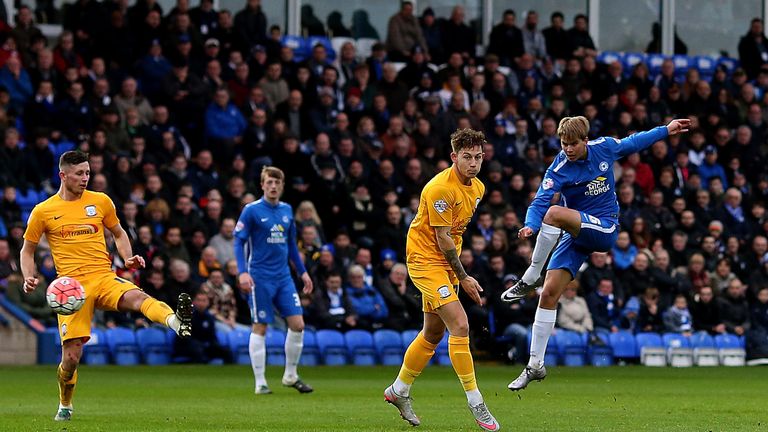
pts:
pixel 594 220
pixel 296 299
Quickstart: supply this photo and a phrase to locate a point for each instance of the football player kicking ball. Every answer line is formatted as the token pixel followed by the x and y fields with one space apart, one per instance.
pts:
pixel 73 220
pixel 433 246
pixel 586 221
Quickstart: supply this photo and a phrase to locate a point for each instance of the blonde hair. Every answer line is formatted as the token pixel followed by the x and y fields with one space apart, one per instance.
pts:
pixel 307 205
pixel 274 172
pixel 573 128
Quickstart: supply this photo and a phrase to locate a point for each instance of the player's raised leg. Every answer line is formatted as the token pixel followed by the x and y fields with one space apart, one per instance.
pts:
pixel 71 352
pixel 159 312
pixel 456 322
pixel 417 356
pixel 556 220
pixel 544 322
pixel 294 343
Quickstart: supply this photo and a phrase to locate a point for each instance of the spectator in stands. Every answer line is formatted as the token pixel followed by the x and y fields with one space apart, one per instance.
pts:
pixel 331 307
pixel 203 346
pixel 757 337
pixel 367 302
pixel 705 313
pixel 222 301
pixel 13 170
pixel 16 81
pixel 34 303
pixel 432 33
pixel 734 310
pixel 623 252
pixel 677 319
pixel 573 313
pixel 362 27
pixel 251 25
pixel 580 40
pixel 311 24
pixel 458 36
pixel 404 34
pixel 514 319
pixel 224 126
pixel 604 307
pixel 402 299
pixel 753 48
pixel 649 317
pixel 533 38
pixel 506 40
pixel 336 27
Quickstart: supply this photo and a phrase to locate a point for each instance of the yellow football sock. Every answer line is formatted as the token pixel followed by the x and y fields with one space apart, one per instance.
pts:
pixel 67 381
pixel 156 310
pixel 461 359
pixel 416 358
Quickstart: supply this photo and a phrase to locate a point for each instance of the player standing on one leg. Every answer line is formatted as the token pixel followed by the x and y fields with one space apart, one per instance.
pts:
pixel 433 246
pixel 73 221
pixel 587 219
pixel 267 226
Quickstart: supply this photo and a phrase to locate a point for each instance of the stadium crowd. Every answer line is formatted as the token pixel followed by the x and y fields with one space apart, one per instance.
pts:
pixel 179 111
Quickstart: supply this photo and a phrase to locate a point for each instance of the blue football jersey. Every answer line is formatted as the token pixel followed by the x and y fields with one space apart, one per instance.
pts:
pixel 588 185
pixel 270 233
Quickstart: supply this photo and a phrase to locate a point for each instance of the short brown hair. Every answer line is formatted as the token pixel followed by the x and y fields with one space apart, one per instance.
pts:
pixel 274 172
pixel 72 157
pixel 465 139
pixel 573 128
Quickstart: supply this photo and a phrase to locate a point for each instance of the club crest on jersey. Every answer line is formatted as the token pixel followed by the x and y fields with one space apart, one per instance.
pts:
pixel 90 210
pixel 440 205
pixel 547 183
pixel 477 203
pixel 444 291
pixel 603 166
pixel 285 219
pixel 597 186
pixel 239 227
pixel 63 329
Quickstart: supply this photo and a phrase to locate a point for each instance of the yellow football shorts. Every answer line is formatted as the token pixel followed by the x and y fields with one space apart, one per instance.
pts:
pixel 102 291
pixel 437 285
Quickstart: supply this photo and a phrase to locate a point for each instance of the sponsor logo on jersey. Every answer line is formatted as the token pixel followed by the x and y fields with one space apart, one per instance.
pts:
pixel 63 329
pixel 440 205
pixel 477 203
pixel 444 291
pixel 239 227
pixel 69 231
pixel 603 166
pixel 90 210
pixel 597 186
pixel 547 183
pixel 276 234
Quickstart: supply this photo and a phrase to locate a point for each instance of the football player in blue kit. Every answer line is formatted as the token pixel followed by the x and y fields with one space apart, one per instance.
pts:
pixel 266 226
pixel 585 221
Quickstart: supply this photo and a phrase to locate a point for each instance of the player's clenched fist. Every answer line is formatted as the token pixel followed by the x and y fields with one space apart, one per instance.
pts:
pixel 30 284
pixel 525 232
pixel 245 281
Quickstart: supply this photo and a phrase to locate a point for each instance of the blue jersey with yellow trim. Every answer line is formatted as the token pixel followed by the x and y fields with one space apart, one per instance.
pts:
pixel 588 185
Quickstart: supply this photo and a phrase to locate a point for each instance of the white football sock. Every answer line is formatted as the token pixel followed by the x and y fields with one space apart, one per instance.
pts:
pixel 258 351
pixel 474 397
pixel 545 242
pixel 173 323
pixel 542 329
pixel 401 388
pixel 294 342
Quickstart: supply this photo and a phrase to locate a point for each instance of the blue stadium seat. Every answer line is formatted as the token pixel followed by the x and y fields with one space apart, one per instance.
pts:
pixel 623 345
pixel 238 345
pixel 27 200
pixel 571 346
pixel 651 347
pixel 154 346
pixel 408 336
pixel 360 347
pixel 675 340
pixel 310 354
pixel 682 63
pixel 705 65
pixel 730 350
pixel 333 349
pixel 222 338
pixel 730 63
pixel 122 345
pixel 500 339
pixel 631 60
pixel 299 46
pixel 275 342
pixel 324 41
pixel 96 350
pixel 727 340
pixel 389 347
pixel 553 353
pixel 679 352
pixel 600 355
pixel 608 57
pixel 654 62
pixel 442 356
pixel 704 351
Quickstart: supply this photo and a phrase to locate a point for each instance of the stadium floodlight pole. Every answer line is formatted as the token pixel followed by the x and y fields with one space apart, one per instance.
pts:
pixel 487 12
pixel 593 14
pixel 668 27
pixel 294 17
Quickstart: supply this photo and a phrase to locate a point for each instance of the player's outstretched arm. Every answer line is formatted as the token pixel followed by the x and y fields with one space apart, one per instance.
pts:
pixel 125 250
pixel 448 248
pixel 28 270
pixel 642 140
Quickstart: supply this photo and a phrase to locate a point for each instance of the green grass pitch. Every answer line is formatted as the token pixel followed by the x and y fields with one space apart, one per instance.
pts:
pixel 210 398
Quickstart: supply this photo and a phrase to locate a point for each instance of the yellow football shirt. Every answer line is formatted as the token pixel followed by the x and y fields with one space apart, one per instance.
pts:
pixel 444 201
pixel 75 231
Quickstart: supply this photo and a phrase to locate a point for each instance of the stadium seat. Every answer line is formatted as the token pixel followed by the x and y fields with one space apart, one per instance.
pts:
pixel 389 347
pixel 679 352
pixel 222 338
pixel 651 347
pixel 365 47
pixel 333 349
pixel 96 350
pixel 704 351
pixel 654 62
pixel 571 346
pixel 631 60
pixel 338 42
pixel 310 354
pixel 553 353
pixel 27 200
pixel 623 345
pixel 360 347
pixel 122 345
pixel 238 345
pixel 682 63
pixel 298 45
pixel 442 357
pixel 407 337
pixel 705 66
pixel 600 355
pixel 154 346
pixel 730 351
pixel 275 342
pixel 730 63
pixel 608 57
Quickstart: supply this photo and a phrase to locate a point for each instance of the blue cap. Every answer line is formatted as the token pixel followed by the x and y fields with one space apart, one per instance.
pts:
pixel 388 254
pixel 328 247
pixel 501 122
pixel 710 149
pixel 184 38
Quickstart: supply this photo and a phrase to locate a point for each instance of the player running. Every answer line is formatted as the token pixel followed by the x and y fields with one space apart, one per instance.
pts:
pixel 586 221
pixel 73 221
pixel 433 246
pixel 267 227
